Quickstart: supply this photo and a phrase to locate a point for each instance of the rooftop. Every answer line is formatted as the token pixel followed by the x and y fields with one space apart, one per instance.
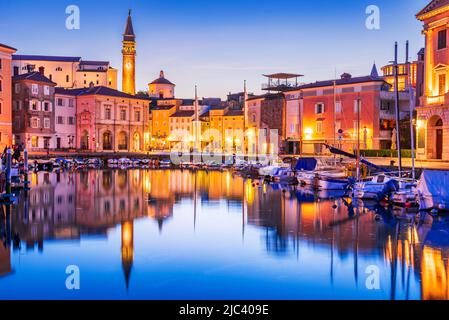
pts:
pixel 234 113
pixel 7 47
pixel 183 114
pixel 33 76
pixel 45 58
pixel 433 8
pixel 161 79
pixel 94 63
pixel 100 90
pixel 283 75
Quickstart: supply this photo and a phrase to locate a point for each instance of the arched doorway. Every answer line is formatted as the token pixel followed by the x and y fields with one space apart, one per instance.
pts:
pixel 122 141
pixel 84 143
pixel 136 141
pixel 107 140
pixel 435 138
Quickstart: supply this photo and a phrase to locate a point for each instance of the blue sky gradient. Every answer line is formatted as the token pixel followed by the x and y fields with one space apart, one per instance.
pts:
pixel 217 44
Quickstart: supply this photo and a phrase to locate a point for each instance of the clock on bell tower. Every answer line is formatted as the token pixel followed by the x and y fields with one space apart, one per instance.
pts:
pixel 129 58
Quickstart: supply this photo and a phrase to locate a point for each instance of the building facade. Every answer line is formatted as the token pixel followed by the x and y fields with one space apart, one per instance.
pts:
pixel 433 110
pixel 33 112
pixel 331 112
pixel 65 119
pixel 161 88
pixel 67 72
pixel 108 120
pixel 6 137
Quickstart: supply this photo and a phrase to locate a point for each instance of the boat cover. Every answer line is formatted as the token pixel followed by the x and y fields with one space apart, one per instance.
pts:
pixel 306 164
pixel 434 184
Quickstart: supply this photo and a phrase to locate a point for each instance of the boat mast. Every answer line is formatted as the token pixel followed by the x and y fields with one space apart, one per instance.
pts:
pixel 335 120
pixel 411 93
pixel 396 90
pixel 358 138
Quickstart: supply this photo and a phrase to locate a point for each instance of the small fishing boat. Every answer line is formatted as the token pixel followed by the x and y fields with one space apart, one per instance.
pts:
pixel 284 176
pixel 377 187
pixel 433 191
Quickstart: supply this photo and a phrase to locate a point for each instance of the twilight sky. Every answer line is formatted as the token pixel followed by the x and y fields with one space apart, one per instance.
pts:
pixel 217 44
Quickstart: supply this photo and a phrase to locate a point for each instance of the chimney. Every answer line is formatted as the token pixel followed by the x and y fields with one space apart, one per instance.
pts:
pixel 346 76
pixel 30 67
pixel 42 71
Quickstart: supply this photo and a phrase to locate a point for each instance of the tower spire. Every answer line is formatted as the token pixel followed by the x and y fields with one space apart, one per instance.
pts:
pixel 129 58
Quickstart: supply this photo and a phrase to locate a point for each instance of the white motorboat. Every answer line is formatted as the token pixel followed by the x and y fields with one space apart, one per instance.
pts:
pixel 377 187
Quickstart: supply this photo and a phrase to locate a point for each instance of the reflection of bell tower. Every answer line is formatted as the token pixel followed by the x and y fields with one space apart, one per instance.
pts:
pixel 127 249
pixel 129 58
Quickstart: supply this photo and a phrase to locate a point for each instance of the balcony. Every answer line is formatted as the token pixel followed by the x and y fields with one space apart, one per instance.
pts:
pixel 275 86
pixel 435 100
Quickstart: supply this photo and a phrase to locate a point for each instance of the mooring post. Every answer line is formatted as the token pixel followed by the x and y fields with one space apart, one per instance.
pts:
pixel 8 194
pixel 26 168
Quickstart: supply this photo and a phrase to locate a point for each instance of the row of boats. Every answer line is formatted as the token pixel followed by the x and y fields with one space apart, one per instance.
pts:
pixel 430 192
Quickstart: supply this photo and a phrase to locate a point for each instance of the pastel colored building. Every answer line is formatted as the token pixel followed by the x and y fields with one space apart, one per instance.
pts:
pixel 265 123
pixel 433 111
pixel 33 111
pixel 67 72
pixel 328 112
pixel 65 119
pixel 110 121
pixel 6 137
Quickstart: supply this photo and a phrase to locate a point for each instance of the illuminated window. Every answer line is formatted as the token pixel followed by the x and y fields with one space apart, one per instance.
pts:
pixel 34 142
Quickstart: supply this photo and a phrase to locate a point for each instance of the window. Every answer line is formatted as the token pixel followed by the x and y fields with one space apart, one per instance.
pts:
pixel 34 106
pixel 47 123
pixel 385 105
pixel 1 108
pixel 1 85
pixel 60 102
pixel 107 112
pixel 123 115
pixel 35 123
pixel 67 78
pixel 16 71
pixel 0 64
pixel 17 88
pixel 338 107
pixel 137 115
pixel 34 88
pixel 34 142
pixel 442 39
pixel 319 108
pixel 17 105
pixel 60 120
pixel 47 107
pixel 319 127
pixel 46 90
pixel 71 120
pixel 441 84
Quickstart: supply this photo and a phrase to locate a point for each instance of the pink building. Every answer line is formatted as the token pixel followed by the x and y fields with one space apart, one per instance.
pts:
pixel 108 120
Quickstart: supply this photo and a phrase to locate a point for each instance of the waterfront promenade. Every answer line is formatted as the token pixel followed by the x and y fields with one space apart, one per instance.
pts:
pixel 380 161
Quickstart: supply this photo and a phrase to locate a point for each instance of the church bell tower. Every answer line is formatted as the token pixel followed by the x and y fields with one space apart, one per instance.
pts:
pixel 129 58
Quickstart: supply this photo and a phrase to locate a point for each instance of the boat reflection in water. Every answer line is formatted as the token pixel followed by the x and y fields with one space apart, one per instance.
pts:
pixel 163 234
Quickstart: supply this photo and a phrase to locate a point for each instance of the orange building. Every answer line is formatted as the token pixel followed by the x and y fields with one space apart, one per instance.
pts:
pixel 433 112
pixel 5 95
pixel 328 112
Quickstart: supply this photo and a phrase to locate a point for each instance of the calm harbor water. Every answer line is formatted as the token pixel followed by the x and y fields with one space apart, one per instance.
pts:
pixel 162 234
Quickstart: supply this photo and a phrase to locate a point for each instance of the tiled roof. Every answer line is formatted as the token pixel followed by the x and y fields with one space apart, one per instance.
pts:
pixel 45 58
pixel 434 5
pixel 234 113
pixel 7 47
pixel 100 90
pixel 161 81
pixel 183 114
pixel 94 63
pixel 345 81
pixel 167 107
pixel 33 76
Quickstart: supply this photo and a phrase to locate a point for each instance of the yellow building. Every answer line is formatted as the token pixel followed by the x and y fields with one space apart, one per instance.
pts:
pixel 160 125
pixel 433 112
pixel 129 58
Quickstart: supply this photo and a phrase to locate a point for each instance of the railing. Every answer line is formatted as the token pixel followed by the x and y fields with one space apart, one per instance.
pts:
pixel 435 99
pixel 280 85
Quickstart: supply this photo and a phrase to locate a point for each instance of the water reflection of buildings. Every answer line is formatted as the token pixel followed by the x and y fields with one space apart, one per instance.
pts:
pixel 346 229
pixel 69 205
